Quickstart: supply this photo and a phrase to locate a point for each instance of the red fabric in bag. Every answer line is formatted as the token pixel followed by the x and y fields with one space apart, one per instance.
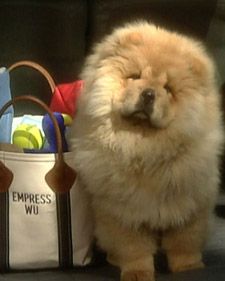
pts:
pixel 65 97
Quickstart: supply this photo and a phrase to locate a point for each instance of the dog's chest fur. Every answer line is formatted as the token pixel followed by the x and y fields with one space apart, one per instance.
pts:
pixel 158 193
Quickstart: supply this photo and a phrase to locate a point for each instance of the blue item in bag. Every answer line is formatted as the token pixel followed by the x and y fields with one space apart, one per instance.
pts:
pixel 50 134
pixel 5 96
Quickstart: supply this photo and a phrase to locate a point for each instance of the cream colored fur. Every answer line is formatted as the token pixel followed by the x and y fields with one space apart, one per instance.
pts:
pixel 153 177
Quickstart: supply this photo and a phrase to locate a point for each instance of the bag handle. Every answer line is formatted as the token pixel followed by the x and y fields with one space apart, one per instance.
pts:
pixel 37 67
pixel 61 177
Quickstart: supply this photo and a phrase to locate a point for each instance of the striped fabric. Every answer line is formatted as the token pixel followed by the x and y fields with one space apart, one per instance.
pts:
pixel 38 228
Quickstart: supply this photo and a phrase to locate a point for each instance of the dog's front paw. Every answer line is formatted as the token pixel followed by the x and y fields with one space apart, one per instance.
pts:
pixel 186 267
pixel 137 276
pixel 184 262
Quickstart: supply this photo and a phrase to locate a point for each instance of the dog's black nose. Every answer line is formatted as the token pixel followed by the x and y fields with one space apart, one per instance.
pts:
pixel 148 96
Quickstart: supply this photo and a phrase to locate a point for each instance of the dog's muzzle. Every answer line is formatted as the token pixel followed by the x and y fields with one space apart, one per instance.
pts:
pixel 147 97
pixel 146 103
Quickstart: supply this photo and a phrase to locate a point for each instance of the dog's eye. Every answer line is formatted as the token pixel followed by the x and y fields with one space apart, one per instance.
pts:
pixel 134 76
pixel 167 88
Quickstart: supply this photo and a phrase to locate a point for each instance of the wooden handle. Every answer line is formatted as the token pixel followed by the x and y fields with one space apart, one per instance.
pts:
pixel 61 177
pixel 37 67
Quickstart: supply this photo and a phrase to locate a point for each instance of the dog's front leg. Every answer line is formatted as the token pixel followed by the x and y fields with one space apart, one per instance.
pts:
pixel 184 245
pixel 129 248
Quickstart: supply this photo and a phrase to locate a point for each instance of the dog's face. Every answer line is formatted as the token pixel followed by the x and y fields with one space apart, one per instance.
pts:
pixel 147 98
pixel 149 77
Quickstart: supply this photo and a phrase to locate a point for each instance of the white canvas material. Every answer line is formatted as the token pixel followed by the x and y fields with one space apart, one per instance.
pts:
pixel 30 217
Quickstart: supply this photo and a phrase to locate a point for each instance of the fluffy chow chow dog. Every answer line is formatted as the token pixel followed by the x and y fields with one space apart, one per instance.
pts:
pixel 147 138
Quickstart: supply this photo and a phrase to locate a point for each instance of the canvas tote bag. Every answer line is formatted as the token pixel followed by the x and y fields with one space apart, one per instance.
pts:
pixel 45 220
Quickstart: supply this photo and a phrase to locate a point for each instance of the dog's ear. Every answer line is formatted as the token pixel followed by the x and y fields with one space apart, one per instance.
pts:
pixel 131 38
pixel 202 68
pixel 197 66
